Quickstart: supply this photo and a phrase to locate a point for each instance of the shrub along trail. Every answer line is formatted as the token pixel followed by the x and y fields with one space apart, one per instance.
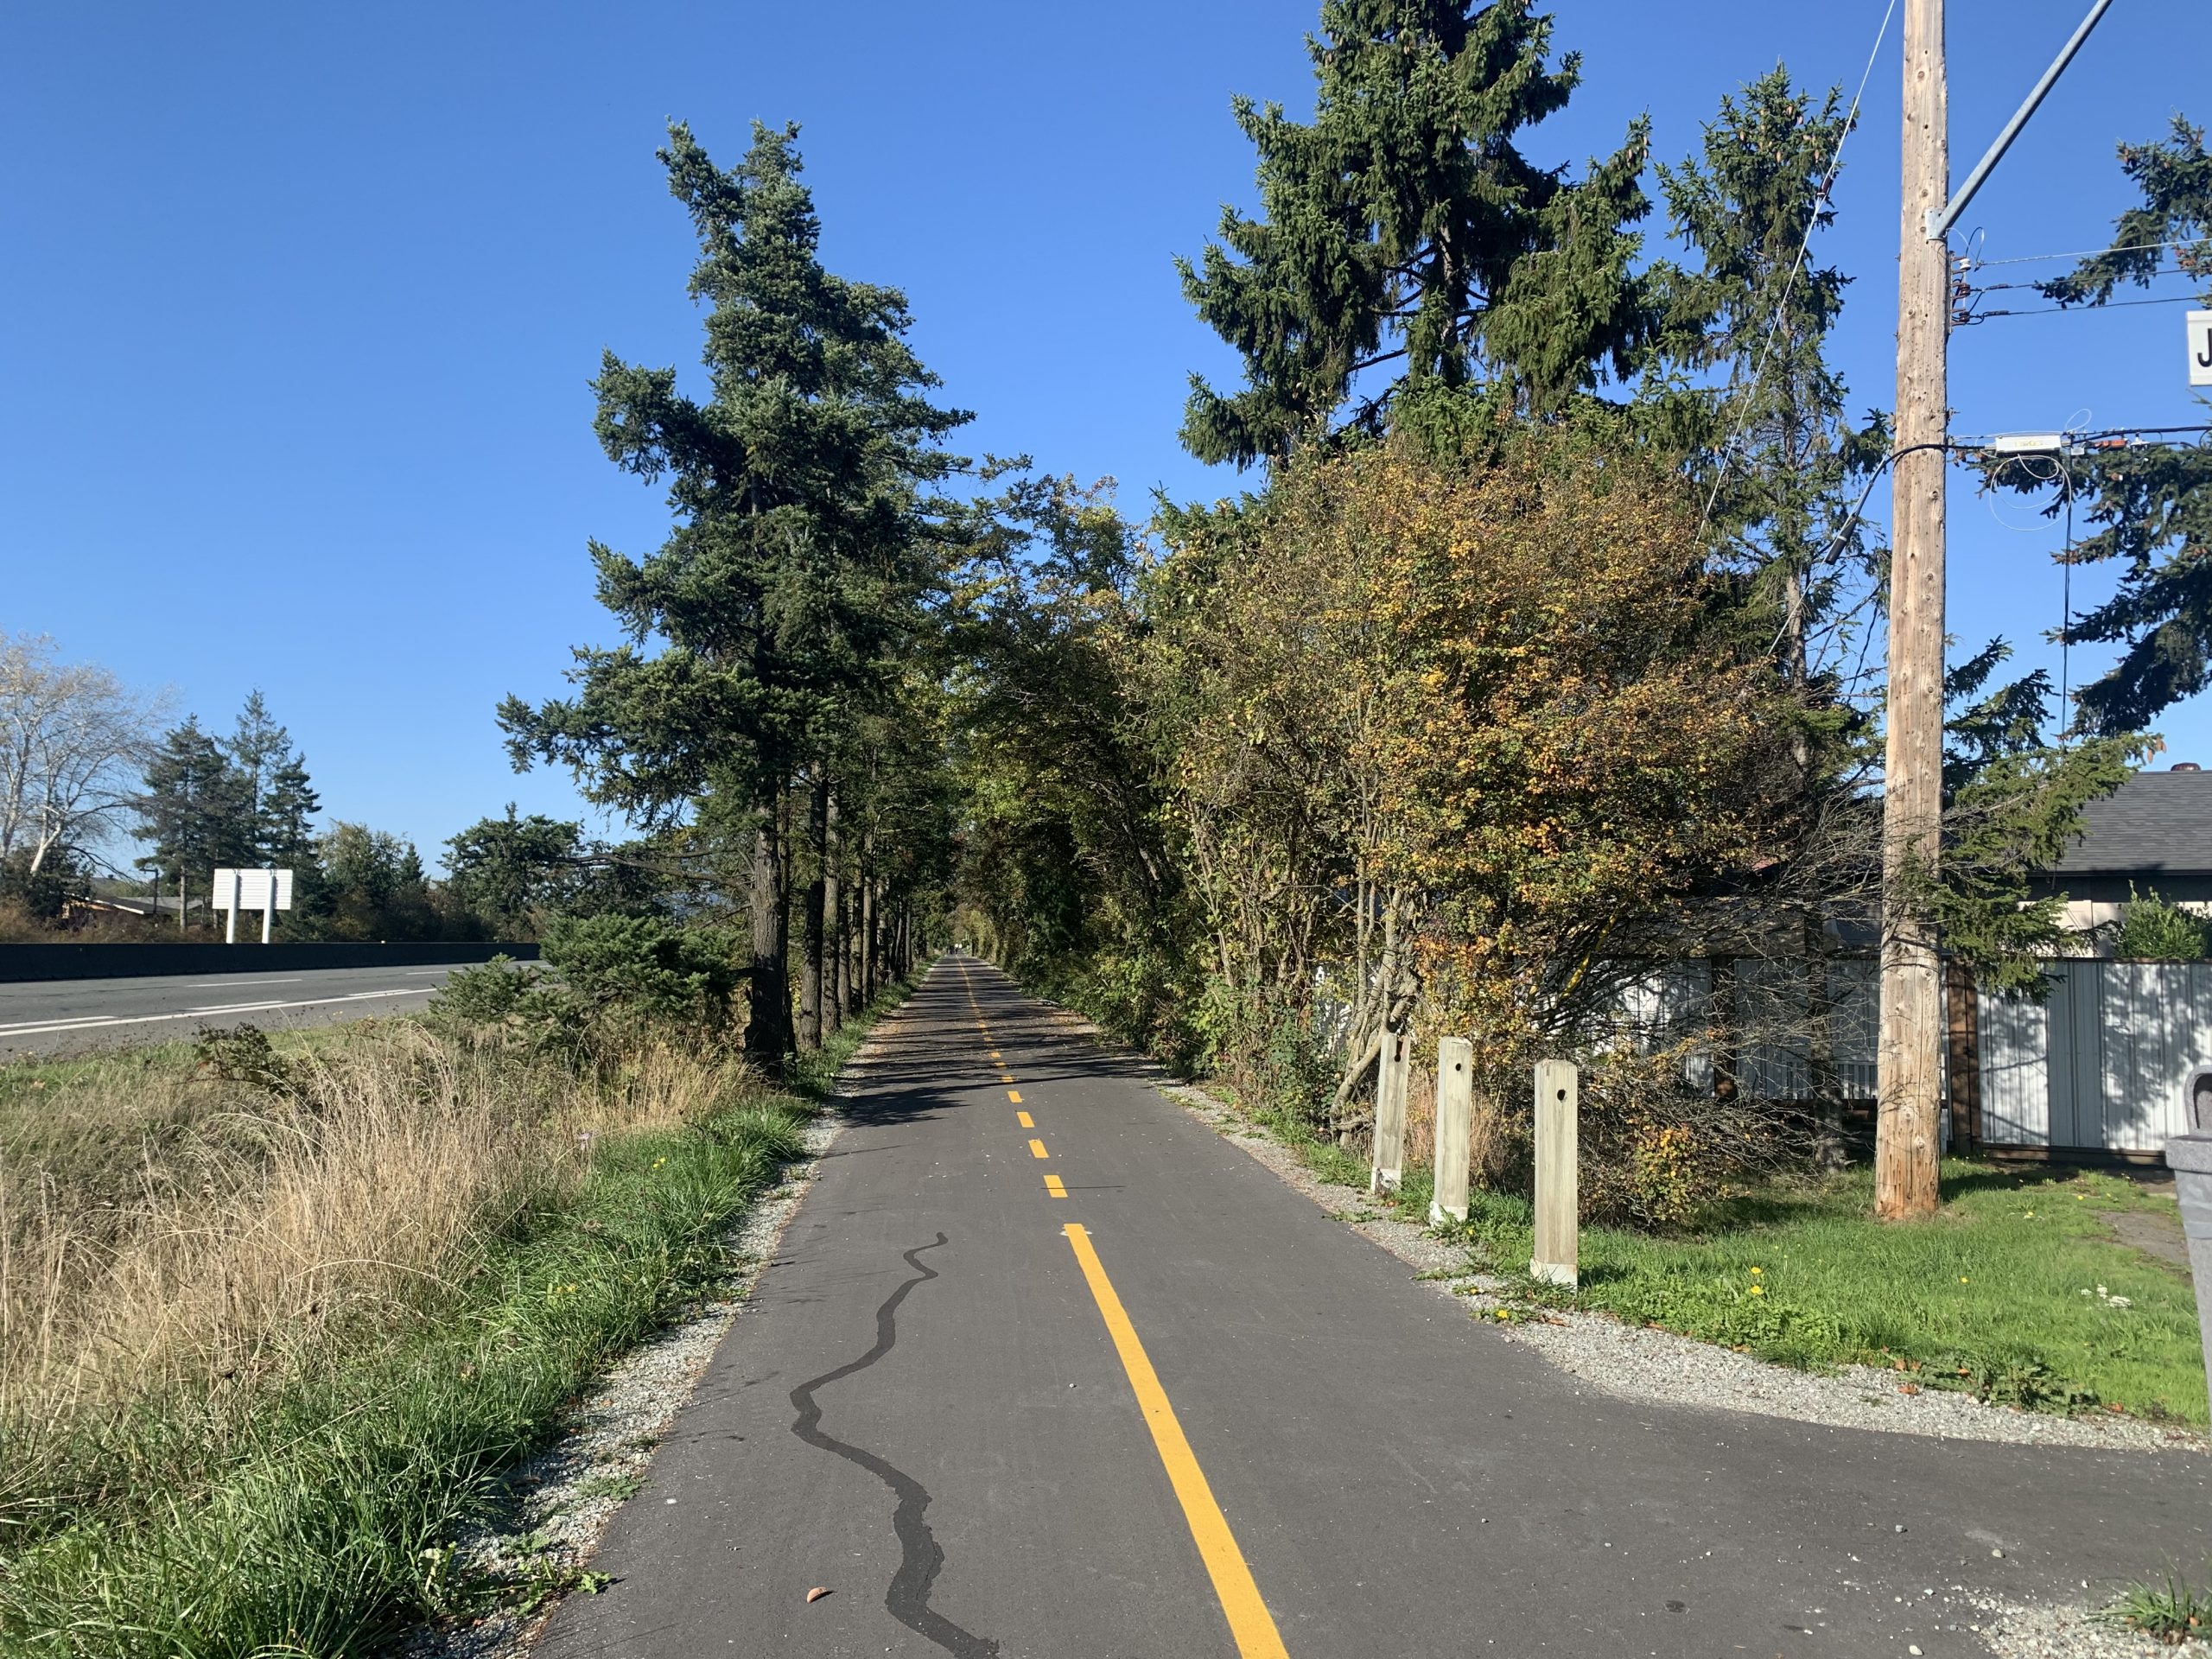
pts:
pixel 1180 1410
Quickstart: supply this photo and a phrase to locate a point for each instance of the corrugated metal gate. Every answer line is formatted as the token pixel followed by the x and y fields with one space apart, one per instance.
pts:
pixel 2101 1064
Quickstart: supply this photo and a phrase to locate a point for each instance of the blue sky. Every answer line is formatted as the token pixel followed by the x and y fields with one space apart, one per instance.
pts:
pixel 302 302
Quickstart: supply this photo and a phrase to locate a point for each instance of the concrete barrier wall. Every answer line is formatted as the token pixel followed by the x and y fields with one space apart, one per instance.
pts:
pixel 29 961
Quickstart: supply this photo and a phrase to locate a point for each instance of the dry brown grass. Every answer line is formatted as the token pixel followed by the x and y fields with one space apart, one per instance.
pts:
pixel 162 1229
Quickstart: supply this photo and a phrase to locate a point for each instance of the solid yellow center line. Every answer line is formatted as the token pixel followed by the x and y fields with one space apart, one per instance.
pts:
pixel 1037 1150
pixel 1025 1119
pixel 1054 1188
pixel 1250 1622
pixel 1014 1095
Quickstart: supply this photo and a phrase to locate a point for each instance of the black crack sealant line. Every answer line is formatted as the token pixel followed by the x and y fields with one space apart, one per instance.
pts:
pixel 921 1559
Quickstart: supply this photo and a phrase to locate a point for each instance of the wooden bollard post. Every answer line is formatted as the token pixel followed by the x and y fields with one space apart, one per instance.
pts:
pixel 1455 1128
pixel 1558 1177
pixel 1391 1111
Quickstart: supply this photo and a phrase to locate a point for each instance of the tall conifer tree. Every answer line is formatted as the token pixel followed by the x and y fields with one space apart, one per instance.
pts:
pixel 1760 308
pixel 1404 227
pixel 195 812
pixel 800 547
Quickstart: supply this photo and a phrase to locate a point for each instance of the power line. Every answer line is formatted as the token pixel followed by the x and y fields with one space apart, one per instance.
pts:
pixel 2085 253
pixel 2080 310
pixel 2156 276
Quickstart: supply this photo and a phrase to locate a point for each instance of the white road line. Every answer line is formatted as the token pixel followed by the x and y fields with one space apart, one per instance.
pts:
pixel 227 984
pixel 195 1013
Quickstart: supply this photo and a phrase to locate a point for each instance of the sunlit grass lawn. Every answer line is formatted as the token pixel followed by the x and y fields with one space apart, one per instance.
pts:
pixel 2017 1290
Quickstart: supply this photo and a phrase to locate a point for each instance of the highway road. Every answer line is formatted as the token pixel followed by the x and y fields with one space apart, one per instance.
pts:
pixel 73 1015
pixel 1045 1369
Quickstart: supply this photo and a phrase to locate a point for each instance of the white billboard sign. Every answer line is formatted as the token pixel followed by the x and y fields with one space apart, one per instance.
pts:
pixel 266 891
pixel 2200 348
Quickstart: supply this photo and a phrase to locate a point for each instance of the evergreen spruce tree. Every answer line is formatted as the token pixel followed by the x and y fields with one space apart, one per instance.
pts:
pixel 800 547
pixel 255 750
pixel 2012 803
pixel 516 872
pixel 273 775
pixel 284 827
pixel 195 812
pixel 2154 501
pixel 1403 226
pixel 1780 451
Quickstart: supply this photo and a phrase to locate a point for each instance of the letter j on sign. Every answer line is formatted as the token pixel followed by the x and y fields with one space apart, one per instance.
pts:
pixel 2200 348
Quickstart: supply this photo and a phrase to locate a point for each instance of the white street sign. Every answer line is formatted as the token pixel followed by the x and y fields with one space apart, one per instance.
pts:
pixel 2200 348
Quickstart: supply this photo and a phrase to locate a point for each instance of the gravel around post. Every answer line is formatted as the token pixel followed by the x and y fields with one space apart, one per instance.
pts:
pixel 2014 1632
pixel 559 1503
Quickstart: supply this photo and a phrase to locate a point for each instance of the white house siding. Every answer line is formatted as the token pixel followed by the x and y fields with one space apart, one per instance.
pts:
pixel 1671 1002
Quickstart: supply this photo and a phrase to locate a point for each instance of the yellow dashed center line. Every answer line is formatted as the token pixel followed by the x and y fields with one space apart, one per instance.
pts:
pixel 1037 1150
pixel 1054 1188
pixel 1014 1095
pixel 1250 1622
pixel 1025 1119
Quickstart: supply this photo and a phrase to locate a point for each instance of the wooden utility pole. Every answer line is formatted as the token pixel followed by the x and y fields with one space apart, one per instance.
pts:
pixel 1907 1143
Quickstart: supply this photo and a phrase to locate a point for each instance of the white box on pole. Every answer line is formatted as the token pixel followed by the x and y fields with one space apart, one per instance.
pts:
pixel 2200 348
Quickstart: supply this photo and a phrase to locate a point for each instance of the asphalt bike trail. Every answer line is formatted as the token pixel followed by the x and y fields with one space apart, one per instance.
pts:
pixel 1045 1369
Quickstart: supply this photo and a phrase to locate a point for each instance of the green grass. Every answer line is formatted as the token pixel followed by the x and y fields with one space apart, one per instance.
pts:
pixel 321 1521
pixel 93 1118
pixel 2171 1611
pixel 1999 1295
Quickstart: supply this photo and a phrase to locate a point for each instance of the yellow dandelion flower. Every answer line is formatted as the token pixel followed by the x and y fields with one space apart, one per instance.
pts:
pixel 1758 1290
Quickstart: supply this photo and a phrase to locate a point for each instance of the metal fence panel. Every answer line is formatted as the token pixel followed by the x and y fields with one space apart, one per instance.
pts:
pixel 2102 1063
pixel 2015 1072
pixel 2156 1021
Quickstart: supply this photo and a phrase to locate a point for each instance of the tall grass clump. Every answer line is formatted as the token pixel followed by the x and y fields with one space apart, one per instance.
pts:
pixel 274 1316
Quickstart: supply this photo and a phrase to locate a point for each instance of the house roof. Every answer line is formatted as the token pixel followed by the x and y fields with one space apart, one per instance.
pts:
pixel 2155 820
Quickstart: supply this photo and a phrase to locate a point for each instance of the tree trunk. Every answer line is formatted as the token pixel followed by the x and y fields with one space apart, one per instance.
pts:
pixel 809 983
pixel 784 833
pixel 1726 1086
pixel 1820 1050
pixel 767 1025
pixel 836 981
pixel 868 920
